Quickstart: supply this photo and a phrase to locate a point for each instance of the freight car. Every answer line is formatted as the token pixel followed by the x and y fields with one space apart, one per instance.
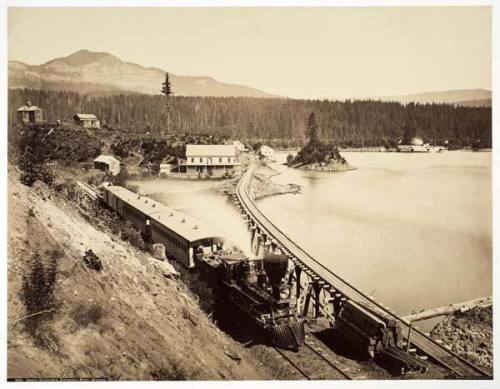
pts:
pixel 180 234
pixel 256 288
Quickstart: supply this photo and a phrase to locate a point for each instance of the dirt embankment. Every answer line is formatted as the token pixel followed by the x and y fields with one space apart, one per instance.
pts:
pixel 470 334
pixel 127 321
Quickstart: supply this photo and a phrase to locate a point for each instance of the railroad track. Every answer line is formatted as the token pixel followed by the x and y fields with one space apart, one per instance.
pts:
pixel 89 191
pixel 312 364
pixel 437 352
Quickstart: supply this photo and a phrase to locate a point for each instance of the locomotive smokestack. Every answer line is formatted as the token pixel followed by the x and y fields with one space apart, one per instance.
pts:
pixel 275 266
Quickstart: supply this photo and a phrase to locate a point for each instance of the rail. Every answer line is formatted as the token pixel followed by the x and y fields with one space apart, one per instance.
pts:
pixel 322 368
pixel 447 358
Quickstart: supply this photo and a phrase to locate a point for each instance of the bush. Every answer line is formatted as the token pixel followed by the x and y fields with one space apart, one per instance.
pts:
pixel 85 315
pixel 131 235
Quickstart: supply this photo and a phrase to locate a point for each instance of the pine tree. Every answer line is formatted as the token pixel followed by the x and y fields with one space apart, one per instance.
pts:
pixel 312 129
pixel 167 90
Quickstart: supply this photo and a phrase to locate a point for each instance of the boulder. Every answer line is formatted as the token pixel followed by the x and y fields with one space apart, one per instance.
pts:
pixel 159 252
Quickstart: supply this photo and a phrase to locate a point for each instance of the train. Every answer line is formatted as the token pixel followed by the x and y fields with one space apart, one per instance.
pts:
pixel 254 287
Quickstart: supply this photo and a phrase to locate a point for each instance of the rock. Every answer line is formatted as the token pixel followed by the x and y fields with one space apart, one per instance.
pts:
pixel 159 252
pixel 164 268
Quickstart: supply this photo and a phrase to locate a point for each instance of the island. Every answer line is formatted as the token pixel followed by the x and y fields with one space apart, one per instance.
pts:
pixel 316 155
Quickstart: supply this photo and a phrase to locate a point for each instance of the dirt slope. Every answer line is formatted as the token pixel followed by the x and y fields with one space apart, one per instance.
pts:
pixel 127 321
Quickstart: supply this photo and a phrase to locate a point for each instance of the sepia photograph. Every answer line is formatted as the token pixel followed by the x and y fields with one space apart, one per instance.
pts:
pixel 229 192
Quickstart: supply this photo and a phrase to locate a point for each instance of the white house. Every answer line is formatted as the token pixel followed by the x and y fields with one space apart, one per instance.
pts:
pixel 166 168
pixel 266 151
pixel 211 160
pixel 239 146
pixel 107 163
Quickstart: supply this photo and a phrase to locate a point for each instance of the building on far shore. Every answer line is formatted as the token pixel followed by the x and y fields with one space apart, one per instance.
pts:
pixel 211 161
pixel 86 120
pixel 266 151
pixel 107 163
pixel 240 146
pixel 29 113
pixel 166 168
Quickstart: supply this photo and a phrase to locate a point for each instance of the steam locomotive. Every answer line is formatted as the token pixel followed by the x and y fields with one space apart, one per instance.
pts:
pixel 256 288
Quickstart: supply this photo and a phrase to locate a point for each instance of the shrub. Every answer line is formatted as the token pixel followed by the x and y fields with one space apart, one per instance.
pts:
pixel 84 315
pixel 131 235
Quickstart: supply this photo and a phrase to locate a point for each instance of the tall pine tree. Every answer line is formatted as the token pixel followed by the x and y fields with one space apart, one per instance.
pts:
pixel 312 129
pixel 167 90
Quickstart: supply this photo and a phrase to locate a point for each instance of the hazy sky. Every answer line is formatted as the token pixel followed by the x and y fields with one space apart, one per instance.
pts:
pixel 295 52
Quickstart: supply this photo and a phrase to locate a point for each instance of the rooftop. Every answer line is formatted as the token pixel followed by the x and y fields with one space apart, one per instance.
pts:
pixel 210 151
pixel 29 107
pixel 86 116
pixel 106 159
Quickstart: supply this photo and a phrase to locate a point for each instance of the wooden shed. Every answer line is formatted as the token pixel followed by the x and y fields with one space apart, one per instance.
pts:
pixel 29 113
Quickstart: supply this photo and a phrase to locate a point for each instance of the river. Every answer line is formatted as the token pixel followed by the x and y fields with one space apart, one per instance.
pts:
pixel 413 230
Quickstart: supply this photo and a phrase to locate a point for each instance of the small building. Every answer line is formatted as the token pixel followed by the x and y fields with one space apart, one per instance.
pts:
pixel 211 161
pixel 86 120
pixel 240 146
pixel 29 113
pixel 107 163
pixel 166 168
pixel 266 151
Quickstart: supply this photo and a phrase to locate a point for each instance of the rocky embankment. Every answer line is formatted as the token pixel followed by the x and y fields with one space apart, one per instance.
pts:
pixel 131 320
pixel 262 184
pixel 470 335
pixel 330 166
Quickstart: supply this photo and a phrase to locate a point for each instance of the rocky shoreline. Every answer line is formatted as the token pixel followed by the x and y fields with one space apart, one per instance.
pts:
pixel 332 166
pixel 470 334
pixel 261 185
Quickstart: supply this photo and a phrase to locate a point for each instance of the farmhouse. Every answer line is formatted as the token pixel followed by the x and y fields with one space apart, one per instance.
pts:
pixel 211 160
pixel 29 113
pixel 86 120
pixel 107 163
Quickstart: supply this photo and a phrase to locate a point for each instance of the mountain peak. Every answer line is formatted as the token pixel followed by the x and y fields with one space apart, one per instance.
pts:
pixel 86 70
pixel 84 57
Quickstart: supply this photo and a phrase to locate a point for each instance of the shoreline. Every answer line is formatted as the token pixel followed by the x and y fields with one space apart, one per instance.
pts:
pixel 263 186
pixel 331 168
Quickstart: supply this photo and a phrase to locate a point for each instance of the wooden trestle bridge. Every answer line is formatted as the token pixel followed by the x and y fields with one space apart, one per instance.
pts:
pixel 322 293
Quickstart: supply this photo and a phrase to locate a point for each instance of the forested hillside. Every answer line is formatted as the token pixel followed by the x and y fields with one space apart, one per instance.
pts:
pixel 282 121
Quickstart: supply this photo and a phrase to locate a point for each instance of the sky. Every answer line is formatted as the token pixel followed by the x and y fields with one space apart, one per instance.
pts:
pixel 295 52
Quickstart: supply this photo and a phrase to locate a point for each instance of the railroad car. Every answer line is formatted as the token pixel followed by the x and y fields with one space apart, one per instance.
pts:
pixel 180 234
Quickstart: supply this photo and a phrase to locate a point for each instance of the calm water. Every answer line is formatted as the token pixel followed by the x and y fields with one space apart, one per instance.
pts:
pixel 414 230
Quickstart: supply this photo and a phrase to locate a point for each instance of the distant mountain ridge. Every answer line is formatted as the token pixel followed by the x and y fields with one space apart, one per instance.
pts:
pixel 103 73
pixel 89 71
pixel 465 97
